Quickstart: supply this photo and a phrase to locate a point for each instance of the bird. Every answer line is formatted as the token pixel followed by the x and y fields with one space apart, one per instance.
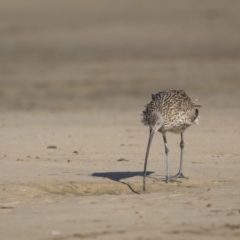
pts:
pixel 169 111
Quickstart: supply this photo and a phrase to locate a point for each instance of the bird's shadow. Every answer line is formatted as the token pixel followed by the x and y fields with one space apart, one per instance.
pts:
pixel 118 176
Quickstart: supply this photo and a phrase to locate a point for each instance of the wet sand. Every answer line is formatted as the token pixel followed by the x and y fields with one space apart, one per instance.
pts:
pixel 74 80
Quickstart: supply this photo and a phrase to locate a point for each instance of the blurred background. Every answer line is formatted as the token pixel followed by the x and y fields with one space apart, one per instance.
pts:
pixel 103 54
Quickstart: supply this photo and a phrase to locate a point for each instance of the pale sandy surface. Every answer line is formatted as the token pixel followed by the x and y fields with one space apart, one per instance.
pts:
pixel 76 76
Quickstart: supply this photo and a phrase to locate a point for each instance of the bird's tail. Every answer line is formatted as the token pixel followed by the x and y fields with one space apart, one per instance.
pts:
pixel 196 105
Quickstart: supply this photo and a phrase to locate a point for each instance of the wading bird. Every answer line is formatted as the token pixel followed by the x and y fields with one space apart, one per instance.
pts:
pixel 169 111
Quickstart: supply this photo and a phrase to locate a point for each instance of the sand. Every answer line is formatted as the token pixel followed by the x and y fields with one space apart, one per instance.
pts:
pixel 74 79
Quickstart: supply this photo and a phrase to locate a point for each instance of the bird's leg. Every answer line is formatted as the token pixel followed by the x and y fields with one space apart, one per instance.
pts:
pixel 166 151
pixel 180 174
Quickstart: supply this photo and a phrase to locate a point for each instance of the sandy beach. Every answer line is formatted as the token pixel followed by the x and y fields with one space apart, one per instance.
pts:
pixel 74 80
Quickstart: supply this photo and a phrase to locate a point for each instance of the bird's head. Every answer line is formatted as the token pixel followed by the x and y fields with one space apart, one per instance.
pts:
pixel 155 121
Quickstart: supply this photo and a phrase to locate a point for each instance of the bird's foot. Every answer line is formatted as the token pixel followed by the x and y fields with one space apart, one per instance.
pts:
pixel 179 175
pixel 167 179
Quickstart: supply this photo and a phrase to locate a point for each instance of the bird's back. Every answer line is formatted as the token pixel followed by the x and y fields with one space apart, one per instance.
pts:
pixel 176 108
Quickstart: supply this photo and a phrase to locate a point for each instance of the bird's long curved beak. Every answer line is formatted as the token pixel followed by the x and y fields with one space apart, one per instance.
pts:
pixel 151 133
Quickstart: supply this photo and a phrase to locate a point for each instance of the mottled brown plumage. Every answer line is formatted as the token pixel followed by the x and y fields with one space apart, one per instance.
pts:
pixel 169 111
